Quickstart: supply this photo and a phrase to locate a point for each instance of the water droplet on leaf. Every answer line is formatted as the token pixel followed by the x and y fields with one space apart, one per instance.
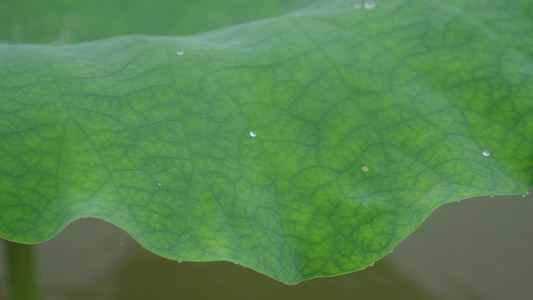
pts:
pixel 180 261
pixel 253 133
pixel 486 153
pixel 180 52
pixel 365 169
pixel 370 5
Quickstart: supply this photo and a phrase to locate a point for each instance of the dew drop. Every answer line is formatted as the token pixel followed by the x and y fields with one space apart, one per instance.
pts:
pixel 370 5
pixel 253 133
pixel 180 261
pixel 492 196
pixel 486 153
pixel 180 52
pixel 357 6
pixel 365 169
pixel 524 195
pixel 371 265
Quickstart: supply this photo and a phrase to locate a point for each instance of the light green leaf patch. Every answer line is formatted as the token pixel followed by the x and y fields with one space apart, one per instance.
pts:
pixel 305 145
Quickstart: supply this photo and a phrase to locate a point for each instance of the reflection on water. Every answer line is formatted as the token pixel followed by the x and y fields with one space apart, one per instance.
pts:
pixel 476 249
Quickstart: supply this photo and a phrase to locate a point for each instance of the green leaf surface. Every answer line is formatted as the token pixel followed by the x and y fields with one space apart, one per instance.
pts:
pixel 307 144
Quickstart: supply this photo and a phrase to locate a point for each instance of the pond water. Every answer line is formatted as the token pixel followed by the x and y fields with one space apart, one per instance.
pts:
pixel 476 249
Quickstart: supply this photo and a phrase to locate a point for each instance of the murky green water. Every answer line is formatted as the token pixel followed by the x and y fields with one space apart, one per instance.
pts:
pixel 476 249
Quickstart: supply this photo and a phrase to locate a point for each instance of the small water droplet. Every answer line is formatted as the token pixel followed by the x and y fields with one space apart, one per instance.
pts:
pixel 391 251
pixel 458 201
pixel 524 195
pixel 365 169
pixel 486 153
pixel 253 133
pixel 492 196
pixel 121 244
pixel 159 184
pixel 357 6
pixel 180 261
pixel 370 5
pixel 371 265
pixel 180 52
